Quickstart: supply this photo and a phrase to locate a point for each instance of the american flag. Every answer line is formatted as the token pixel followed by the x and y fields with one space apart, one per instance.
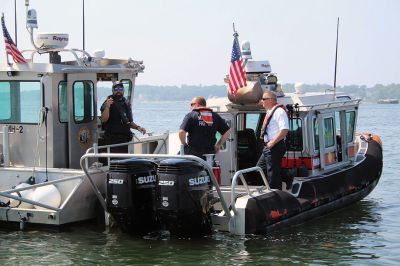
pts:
pixel 11 48
pixel 237 75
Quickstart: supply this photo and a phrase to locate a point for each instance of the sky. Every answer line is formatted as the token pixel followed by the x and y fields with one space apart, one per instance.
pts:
pixel 190 41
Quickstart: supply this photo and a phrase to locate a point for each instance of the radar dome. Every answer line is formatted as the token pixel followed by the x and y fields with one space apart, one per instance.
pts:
pixel 52 40
pixel 246 51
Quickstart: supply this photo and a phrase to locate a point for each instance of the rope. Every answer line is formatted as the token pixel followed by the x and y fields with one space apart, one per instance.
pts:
pixel 42 117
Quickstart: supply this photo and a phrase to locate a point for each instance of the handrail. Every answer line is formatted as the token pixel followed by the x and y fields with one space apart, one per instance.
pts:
pixel 85 157
pixel 91 149
pixel 7 193
pixel 240 175
pixel 95 148
pixel 30 201
pixel 329 104
pixel 73 52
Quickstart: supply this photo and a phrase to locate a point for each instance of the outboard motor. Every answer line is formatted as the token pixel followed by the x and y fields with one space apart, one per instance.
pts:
pixel 131 195
pixel 183 203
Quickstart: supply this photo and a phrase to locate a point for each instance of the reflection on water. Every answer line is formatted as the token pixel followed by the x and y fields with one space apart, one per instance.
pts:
pixel 337 237
pixel 329 239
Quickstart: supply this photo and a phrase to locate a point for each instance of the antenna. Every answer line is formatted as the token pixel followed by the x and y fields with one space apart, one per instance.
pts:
pixel 83 23
pixel 337 40
pixel 15 22
pixel 235 34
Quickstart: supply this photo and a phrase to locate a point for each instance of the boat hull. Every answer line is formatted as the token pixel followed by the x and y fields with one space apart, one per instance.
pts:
pixel 314 196
pixel 78 201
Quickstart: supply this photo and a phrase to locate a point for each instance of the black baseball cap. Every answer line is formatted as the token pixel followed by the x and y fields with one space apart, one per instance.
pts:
pixel 118 84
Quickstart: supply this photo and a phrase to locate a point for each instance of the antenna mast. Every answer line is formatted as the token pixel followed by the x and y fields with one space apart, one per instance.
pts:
pixel 337 40
pixel 15 22
pixel 235 34
pixel 83 23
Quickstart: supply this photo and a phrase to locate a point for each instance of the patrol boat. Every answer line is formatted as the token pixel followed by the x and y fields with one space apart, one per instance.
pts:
pixel 326 167
pixel 48 120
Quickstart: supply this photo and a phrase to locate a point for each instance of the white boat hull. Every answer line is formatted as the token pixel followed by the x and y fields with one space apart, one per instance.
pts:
pixel 78 200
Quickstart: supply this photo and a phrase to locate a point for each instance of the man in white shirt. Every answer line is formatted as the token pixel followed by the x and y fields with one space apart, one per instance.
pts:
pixel 274 130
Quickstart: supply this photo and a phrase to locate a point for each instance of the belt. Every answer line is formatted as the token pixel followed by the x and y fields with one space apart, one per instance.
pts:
pixel 265 143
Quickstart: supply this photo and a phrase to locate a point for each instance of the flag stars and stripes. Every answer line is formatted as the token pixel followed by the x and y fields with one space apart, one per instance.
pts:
pixel 11 48
pixel 237 74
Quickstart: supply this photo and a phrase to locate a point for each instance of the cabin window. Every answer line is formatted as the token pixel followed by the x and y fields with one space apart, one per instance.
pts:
pixel 294 138
pixel 218 135
pixel 5 101
pixel 316 134
pixel 20 101
pixel 62 102
pixel 83 101
pixel 252 121
pixel 350 121
pixel 337 123
pixel 329 134
pixel 128 88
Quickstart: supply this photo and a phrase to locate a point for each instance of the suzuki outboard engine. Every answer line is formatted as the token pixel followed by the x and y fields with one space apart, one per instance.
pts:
pixel 131 195
pixel 183 203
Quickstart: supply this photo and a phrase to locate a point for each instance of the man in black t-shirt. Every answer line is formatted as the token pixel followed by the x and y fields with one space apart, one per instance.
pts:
pixel 116 118
pixel 202 124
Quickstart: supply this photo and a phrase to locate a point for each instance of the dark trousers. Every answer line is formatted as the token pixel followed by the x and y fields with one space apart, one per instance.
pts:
pixel 113 139
pixel 199 153
pixel 270 163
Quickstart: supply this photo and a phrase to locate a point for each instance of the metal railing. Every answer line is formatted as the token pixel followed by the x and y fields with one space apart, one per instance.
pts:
pixel 239 174
pixel 337 103
pixel 162 138
pixel 7 193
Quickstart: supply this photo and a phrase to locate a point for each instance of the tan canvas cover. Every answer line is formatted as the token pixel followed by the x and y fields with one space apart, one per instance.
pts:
pixel 252 93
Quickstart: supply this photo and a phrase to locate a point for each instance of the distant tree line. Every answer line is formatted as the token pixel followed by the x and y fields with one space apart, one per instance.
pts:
pixel 187 92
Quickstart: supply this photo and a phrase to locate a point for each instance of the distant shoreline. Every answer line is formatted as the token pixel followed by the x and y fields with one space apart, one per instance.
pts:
pixel 187 92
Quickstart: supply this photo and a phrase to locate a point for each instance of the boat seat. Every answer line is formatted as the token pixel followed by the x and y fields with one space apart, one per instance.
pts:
pixel 248 148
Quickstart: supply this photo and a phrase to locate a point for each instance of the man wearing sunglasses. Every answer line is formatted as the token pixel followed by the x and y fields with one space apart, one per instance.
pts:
pixel 201 125
pixel 274 130
pixel 116 119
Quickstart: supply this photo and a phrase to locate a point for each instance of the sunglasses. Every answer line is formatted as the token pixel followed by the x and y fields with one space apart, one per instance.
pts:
pixel 118 89
pixel 264 99
pixel 191 104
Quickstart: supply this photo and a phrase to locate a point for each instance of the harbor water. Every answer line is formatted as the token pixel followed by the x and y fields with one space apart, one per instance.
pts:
pixel 365 233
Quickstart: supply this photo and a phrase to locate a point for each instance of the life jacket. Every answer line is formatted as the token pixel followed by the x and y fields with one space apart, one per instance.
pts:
pixel 205 114
pixel 268 118
pixel 119 109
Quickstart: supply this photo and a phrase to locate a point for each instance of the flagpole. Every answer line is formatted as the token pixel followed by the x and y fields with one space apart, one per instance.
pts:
pixel 337 40
pixel 2 19
pixel 83 23
pixel 235 34
pixel 15 22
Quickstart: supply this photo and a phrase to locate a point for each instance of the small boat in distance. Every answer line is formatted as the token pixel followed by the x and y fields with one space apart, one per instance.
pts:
pixel 388 101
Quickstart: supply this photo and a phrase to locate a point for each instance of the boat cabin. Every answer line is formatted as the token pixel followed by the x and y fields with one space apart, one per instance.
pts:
pixel 49 111
pixel 321 134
